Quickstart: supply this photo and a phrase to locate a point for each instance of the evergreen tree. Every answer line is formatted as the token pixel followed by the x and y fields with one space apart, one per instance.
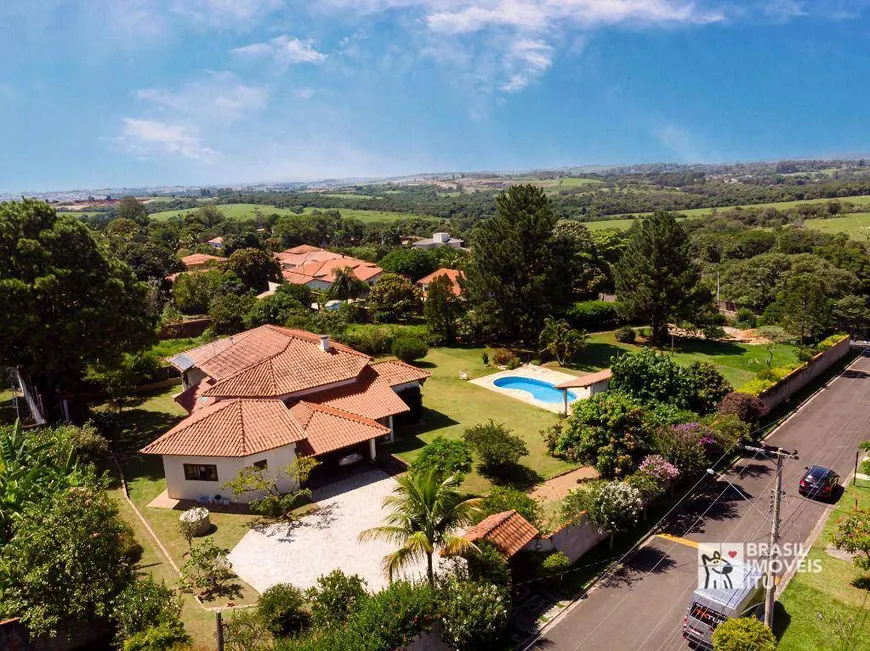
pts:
pixel 441 310
pixel 656 279
pixel 517 273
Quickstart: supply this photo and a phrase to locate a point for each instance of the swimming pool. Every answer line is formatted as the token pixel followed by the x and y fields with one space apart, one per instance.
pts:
pixel 540 390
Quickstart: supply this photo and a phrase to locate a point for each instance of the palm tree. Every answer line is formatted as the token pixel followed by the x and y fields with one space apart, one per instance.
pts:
pixel 346 285
pixel 425 514
pixel 561 340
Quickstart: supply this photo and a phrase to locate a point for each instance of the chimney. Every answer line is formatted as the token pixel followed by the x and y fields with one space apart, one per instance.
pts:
pixel 324 343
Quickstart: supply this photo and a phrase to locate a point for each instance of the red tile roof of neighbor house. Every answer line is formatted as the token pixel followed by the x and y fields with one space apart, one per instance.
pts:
pixel 452 274
pixel 292 258
pixel 303 248
pixel 508 531
pixel 586 380
pixel 216 240
pixel 200 259
pixel 396 372
pixel 328 429
pixel 230 428
pixel 325 270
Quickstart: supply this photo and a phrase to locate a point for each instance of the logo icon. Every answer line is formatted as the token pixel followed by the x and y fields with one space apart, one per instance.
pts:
pixel 716 563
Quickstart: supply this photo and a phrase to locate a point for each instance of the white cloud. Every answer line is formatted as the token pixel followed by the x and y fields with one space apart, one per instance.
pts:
pixel 284 50
pixel 221 14
pixel 528 59
pixel 219 97
pixel 148 137
pixel 303 93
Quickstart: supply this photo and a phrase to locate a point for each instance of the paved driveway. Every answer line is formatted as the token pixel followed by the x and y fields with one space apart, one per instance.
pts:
pixel 300 552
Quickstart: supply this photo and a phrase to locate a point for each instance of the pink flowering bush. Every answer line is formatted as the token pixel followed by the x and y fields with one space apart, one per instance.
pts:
pixel 659 468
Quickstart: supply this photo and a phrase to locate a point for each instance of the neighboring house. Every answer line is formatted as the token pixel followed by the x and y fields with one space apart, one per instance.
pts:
pixel 438 239
pixel 267 395
pixel 196 262
pixel 200 260
pixel 302 255
pixel 320 275
pixel 452 274
pixel 217 243
pixel 270 291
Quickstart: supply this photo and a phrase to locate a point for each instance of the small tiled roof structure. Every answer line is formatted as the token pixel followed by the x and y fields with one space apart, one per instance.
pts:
pixel 217 240
pixel 586 380
pixel 200 260
pixel 328 429
pixel 452 274
pixel 508 531
pixel 396 372
pixel 230 428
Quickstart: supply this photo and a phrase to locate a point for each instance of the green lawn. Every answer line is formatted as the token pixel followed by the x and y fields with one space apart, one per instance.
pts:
pixel 739 363
pixel 450 405
pixel 169 347
pixel 855 225
pixel 138 425
pixel 824 610
pixel 243 210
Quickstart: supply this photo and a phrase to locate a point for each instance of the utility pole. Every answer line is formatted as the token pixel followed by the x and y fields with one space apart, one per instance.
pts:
pixel 769 583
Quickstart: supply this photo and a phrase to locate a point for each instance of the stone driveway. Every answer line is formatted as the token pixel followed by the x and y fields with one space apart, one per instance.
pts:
pixel 300 552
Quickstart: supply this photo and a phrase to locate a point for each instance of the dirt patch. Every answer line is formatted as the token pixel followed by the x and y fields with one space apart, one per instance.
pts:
pixel 558 487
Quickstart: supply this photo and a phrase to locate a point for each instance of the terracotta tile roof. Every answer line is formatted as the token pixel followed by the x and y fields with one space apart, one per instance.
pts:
pixel 303 248
pixel 274 361
pixel 369 396
pixel 200 259
pixel 230 428
pixel 396 372
pixel 327 429
pixel 216 240
pixel 586 380
pixel 508 531
pixel 295 278
pixel 325 270
pixel 191 399
pixel 452 274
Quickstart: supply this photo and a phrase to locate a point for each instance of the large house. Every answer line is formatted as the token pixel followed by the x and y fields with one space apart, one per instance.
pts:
pixel 316 267
pixel 267 395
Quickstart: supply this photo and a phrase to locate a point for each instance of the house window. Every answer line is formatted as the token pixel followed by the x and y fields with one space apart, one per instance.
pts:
pixel 197 472
pixel 262 465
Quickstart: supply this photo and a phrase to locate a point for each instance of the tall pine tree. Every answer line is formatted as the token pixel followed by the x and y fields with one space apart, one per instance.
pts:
pixel 517 273
pixel 656 280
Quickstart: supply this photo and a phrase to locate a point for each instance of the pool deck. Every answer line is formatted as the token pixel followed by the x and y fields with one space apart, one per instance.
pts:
pixel 532 372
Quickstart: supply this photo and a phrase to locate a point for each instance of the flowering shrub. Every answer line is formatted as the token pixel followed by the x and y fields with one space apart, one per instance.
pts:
pixel 616 507
pixel 659 468
pixel 682 446
pixel 474 614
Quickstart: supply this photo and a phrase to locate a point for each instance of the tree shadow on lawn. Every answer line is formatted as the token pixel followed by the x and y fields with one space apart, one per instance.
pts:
pixel 596 356
pixel 513 476
pixel 134 429
pixel 408 436
pixel 704 347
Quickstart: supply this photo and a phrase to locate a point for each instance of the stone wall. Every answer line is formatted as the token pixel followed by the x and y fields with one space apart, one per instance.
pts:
pixel 803 375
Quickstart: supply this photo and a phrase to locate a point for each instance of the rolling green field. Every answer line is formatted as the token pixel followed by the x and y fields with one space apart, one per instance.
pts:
pixel 242 210
pixel 856 225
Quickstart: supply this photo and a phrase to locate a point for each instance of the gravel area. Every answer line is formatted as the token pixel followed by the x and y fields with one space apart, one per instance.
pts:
pixel 300 552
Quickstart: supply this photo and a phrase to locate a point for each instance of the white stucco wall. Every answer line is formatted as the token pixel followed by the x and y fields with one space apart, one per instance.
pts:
pixel 180 488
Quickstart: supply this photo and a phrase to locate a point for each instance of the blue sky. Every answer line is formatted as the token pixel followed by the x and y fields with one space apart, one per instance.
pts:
pixel 106 93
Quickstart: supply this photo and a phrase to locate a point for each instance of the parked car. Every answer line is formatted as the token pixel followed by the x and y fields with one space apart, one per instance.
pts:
pixel 819 483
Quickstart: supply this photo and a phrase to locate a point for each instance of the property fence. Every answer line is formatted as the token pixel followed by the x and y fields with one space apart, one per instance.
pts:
pixel 803 375
pixel 573 540
pixel 189 328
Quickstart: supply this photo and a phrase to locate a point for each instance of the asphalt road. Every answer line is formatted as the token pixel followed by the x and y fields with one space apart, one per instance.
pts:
pixel 642 606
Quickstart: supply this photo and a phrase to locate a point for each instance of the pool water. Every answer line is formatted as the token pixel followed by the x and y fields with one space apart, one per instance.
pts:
pixel 540 390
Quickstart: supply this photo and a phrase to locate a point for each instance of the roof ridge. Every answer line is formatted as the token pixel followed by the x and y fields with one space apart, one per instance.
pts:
pixel 241 417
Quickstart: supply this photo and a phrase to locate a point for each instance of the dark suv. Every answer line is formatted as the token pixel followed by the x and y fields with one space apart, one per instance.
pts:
pixel 819 483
